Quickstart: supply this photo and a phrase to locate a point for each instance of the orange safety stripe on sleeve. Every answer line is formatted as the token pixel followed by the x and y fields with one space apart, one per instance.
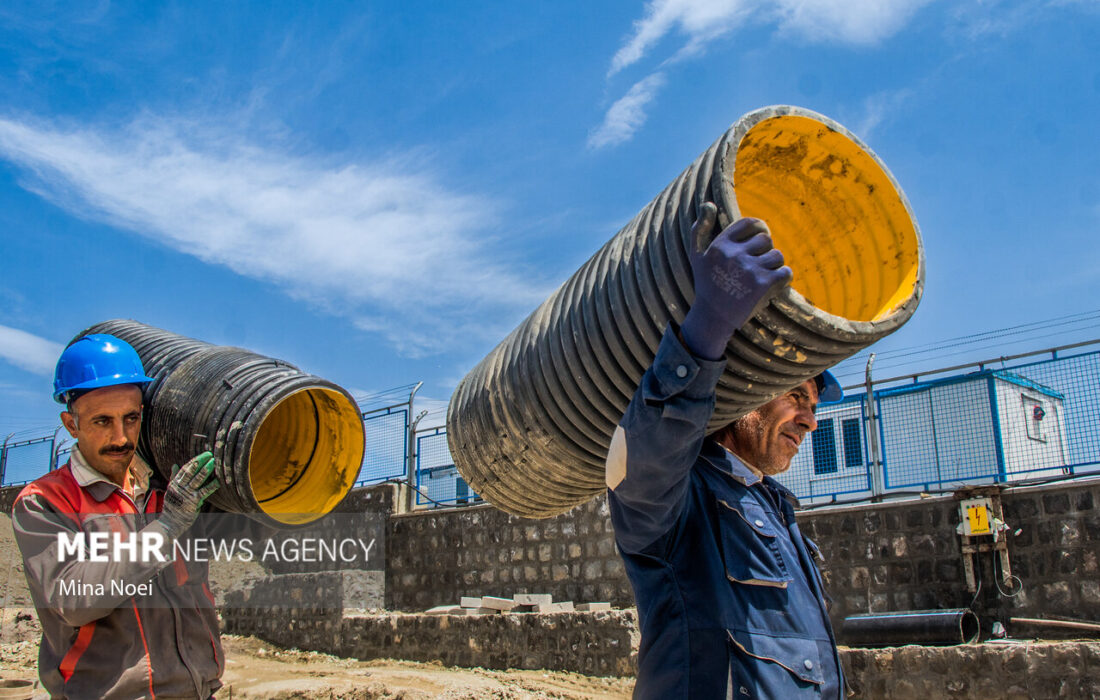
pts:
pixel 180 568
pixel 213 642
pixel 155 502
pixel 148 659
pixel 83 639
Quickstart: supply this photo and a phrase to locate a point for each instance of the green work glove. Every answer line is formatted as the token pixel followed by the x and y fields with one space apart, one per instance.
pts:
pixel 188 490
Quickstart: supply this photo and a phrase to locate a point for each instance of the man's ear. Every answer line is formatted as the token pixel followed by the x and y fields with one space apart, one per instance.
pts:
pixel 69 421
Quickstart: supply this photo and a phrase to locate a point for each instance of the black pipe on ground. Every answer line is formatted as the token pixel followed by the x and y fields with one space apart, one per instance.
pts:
pixel 288 445
pixel 924 627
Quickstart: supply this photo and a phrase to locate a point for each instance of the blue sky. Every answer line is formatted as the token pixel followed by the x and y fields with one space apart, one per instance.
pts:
pixel 379 191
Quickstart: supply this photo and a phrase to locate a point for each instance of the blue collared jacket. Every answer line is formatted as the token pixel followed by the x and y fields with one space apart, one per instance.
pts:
pixel 730 599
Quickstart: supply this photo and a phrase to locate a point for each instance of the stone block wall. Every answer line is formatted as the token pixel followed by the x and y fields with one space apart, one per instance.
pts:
pixel 606 643
pixel 906 556
pixel 324 595
pixel 975 672
pixel 597 643
pixel 7 498
pixel 362 514
pixel 879 557
pixel 1057 550
pixel 436 557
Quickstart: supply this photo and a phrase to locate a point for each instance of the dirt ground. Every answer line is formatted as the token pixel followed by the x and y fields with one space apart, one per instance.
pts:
pixel 257 669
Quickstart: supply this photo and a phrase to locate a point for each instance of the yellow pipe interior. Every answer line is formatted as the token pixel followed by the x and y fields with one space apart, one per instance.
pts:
pixel 306 455
pixel 834 213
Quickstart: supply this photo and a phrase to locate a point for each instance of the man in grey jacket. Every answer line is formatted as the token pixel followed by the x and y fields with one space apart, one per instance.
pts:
pixel 116 622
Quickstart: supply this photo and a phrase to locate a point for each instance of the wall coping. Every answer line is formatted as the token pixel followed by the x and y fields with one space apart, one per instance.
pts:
pixel 1006 490
pixel 438 511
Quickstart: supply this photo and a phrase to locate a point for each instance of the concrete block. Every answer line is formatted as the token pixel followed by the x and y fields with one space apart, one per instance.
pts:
pixel 443 610
pixel 533 598
pixel 459 610
pixel 488 601
pixel 592 607
pixel 470 602
pixel 565 606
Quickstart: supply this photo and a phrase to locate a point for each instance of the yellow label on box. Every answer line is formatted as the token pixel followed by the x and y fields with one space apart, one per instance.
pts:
pixel 979 519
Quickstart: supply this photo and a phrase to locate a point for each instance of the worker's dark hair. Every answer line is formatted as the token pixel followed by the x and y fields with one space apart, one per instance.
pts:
pixel 70 398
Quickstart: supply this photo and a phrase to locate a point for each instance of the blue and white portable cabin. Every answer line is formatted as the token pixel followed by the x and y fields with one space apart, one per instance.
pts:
pixel 443 485
pixel 991 425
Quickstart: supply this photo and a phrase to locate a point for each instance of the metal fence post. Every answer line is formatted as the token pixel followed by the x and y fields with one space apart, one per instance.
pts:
pixel 410 450
pixel 4 458
pixel 54 450
pixel 414 459
pixel 877 477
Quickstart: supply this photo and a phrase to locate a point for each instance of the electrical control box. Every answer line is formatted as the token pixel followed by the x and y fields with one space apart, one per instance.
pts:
pixel 981 527
pixel 977 517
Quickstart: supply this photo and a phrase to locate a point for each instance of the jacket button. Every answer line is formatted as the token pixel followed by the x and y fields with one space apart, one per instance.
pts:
pixel 760 523
pixel 808 664
pixel 681 371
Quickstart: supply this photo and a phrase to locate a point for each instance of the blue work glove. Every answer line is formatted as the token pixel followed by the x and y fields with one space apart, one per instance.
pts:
pixel 734 275
pixel 188 490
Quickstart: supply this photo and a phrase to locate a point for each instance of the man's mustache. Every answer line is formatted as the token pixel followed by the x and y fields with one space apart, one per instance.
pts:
pixel 797 434
pixel 119 450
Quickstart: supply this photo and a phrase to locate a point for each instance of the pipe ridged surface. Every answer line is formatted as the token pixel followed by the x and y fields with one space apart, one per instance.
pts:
pixel 530 425
pixel 288 445
pixel 927 627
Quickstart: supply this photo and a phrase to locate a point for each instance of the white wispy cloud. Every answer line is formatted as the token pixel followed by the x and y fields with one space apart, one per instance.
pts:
pixel 858 22
pixel 28 351
pixel 878 108
pixel 698 23
pixel 702 21
pixel 698 20
pixel 979 19
pixel 628 114
pixel 385 241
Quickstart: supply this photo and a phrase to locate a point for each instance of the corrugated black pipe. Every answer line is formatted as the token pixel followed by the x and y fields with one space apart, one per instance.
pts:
pixel 926 627
pixel 288 445
pixel 530 425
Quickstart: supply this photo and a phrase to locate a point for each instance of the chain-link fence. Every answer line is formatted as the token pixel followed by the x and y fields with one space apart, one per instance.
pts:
pixel 24 459
pixel 836 459
pixel 438 482
pixel 387 433
pixel 1036 416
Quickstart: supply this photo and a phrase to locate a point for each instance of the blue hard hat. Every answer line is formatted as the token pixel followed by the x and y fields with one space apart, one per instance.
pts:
pixel 96 361
pixel 828 388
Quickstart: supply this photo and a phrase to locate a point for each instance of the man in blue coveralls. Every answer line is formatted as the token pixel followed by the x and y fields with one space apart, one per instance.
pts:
pixel 729 596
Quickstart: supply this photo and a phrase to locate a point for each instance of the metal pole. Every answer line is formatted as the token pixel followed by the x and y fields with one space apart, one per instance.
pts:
pixel 414 456
pixel 54 449
pixel 877 480
pixel 4 458
pixel 410 451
